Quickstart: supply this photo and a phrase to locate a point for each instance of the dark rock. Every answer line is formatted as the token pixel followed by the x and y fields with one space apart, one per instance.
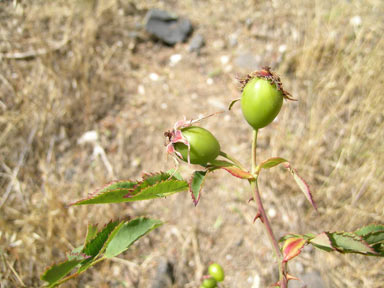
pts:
pixel 167 27
pixel 164 275
pixel 197 42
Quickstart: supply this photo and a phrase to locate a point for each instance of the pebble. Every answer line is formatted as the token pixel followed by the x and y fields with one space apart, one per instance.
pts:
pixel 167 27
pixel 197 42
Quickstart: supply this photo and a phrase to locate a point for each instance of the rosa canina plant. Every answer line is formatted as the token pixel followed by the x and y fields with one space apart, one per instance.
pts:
pixel 261 100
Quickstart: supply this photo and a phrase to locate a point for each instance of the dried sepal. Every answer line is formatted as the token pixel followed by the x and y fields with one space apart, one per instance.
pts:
pixel 267 74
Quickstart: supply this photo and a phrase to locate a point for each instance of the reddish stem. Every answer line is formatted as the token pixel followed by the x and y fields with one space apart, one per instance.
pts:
pixel 263 216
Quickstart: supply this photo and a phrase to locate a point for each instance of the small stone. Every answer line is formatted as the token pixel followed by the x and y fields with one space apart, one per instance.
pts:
pixel 141 89
pixel 174 59
pixel 88 137
pixel 224 59
pixel 197 42
pixel 153 76
pixel 167 27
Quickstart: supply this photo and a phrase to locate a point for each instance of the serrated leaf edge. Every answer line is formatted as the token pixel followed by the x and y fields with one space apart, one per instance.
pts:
pixel 128 195
pixel 308 193
pixel 238 175
pixel 57 264
pixel 98 232
pixel 196 201
pixel 354 237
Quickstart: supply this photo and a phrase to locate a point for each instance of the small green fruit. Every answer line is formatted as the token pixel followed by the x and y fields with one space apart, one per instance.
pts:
pixel 216 271
pixel 261 101
pixel 209 283
pixel 204 147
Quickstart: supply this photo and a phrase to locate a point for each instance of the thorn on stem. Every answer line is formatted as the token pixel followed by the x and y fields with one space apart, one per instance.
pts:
pixel 258 215
pixel 250 199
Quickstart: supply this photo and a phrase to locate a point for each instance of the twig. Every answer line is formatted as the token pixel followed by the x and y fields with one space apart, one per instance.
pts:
pixel 16 170
pixel 34 53
pixel 14 272
pixel 9 86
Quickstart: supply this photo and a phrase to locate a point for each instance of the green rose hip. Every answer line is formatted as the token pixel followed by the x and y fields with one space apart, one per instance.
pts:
pixel 209 283
pixel 260 102
pixel 216 271
pixel 262 98
pixel 203 146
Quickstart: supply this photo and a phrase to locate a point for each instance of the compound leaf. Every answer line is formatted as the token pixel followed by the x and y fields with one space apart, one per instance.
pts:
pixel 113 239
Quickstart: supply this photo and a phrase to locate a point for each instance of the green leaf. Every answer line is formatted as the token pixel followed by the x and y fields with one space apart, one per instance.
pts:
pixel 128 233
pixel 152 186
pixel 349 243
pixel 77 254
pixel 372 234
pixel 56 272
pixel 322 242
pixel 363 231
pixel 91 233
pixel 269 163
pixel 374 237
pixel 196 184
pixel 175 174
pixel 379 249
pixel 94 246
pixel 217 164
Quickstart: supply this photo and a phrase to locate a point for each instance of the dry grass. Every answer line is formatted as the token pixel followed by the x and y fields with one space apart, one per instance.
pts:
pixel 68 67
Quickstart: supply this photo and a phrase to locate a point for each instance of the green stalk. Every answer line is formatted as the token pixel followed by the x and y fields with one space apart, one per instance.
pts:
pixel 263 216
pixel 236 162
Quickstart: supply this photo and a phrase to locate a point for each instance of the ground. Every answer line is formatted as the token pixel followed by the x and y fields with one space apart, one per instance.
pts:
pixel 71 67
